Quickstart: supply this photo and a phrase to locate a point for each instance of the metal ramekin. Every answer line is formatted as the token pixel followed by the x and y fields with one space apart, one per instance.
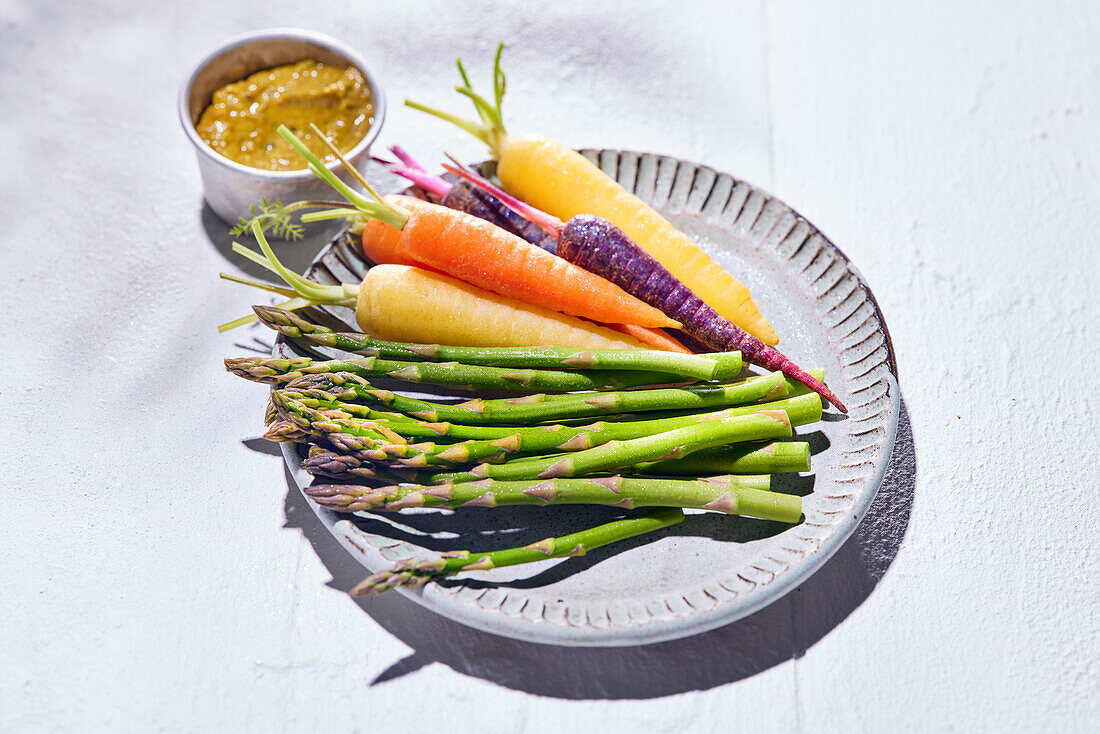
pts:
pixel 231 187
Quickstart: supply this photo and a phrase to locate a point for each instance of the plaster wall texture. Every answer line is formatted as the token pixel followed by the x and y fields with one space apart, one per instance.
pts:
pixel 160 574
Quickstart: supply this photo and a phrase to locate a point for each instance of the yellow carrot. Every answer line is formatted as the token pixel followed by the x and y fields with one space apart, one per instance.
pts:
pixel 560 181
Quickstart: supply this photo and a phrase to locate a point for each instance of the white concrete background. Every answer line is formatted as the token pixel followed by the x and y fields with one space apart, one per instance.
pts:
pixel 158 574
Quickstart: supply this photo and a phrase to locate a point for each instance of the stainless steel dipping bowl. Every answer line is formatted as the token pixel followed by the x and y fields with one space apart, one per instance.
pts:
pixel 230 187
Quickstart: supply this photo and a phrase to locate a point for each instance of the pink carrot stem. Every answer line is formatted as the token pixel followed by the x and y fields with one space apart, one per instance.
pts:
pixel 430 183
pixel 408 160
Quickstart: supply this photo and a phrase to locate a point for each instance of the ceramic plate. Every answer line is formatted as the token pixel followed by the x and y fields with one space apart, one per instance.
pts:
pixel 712 569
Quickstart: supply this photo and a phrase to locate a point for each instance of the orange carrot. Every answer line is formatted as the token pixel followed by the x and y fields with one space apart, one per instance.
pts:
pixel 382 242
pixel 487 256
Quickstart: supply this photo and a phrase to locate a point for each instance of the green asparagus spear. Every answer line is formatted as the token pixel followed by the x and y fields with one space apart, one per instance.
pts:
pixel 680 440
pixel 718 366
pixel 283 431
pixel 333 464
pixel 733 495
pixel 347 387
pixel 274 370
pixel 349 466
pixel 773 458
pixel 616 454
pixel 497 443
pixel 752 461
pixel 554 438
pixel 802 410
pixel 794 387
pixel 416 573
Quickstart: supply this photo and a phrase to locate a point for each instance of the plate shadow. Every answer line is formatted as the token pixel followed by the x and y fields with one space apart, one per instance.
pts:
pixel 782 631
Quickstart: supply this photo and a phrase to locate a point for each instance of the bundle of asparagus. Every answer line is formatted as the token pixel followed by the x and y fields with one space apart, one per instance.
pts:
pixel 673 433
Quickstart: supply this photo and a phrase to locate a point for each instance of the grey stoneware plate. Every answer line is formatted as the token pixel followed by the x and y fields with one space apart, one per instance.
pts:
pixel 712 569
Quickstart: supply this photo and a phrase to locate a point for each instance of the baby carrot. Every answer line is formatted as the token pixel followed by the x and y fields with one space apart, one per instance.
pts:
pixel 381 242
pixel 399 302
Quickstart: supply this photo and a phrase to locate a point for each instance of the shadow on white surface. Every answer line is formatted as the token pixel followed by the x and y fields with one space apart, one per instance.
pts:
pixel 296 255
pixel 780 632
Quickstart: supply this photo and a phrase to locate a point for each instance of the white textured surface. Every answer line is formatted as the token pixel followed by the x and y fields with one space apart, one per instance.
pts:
pixel 158 574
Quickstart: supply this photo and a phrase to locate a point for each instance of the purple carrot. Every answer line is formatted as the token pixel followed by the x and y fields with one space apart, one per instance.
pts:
pixel 600 247
pixel 469 198
pixel 548 222
pixel 472 200
pixel 597 245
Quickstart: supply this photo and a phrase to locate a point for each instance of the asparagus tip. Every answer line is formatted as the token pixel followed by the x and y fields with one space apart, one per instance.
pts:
pixel 391 578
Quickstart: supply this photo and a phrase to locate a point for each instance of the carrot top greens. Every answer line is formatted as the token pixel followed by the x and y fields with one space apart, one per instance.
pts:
pixel 491 128
pixel 302 291
pixel 275 216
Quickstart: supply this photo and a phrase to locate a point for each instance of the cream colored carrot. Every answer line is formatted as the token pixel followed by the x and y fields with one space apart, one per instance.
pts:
pixel 409 304
pixel 403 303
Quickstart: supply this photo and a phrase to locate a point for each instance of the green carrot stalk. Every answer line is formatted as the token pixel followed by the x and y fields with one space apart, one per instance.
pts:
pixel 773 458
pixel 416 573
pixel 616 454
pixel 347 387
pixel 718 366
pixel 276 370
pixel 732 495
